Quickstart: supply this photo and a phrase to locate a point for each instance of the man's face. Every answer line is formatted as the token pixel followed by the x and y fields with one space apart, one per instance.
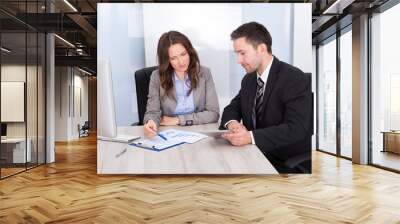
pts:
pixel 247 56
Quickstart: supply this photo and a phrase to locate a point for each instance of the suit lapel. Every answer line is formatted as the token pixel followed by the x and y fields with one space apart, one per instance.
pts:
pixel 174 101
pixel 196 96
pixel 173 95
pixel 251 96
pixel 272 78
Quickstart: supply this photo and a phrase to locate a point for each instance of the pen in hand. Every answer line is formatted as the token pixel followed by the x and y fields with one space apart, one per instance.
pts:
pixel 150 129
pixel 161 136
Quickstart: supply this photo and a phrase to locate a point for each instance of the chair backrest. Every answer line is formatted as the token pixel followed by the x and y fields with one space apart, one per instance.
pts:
pixel 303 161
pixel 86 125
pixel 142 80
pixel 309 77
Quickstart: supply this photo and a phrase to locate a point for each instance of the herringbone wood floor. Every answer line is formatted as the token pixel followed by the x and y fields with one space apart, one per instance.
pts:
pixel 70 191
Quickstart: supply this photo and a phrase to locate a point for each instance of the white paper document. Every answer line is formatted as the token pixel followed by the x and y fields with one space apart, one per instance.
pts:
pixel 157 143
pixel 182 136
pixel 169 138
pixel 214 133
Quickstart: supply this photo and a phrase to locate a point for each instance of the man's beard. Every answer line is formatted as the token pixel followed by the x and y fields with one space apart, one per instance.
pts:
pixel 249 69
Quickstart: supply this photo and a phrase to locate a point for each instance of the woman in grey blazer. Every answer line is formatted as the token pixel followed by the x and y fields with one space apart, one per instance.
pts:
pixel 181 92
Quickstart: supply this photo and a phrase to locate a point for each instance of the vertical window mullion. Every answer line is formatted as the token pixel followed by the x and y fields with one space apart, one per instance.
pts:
pixel 0 92
pixel 338 73
pixel 26 86
pixel 317 97
pixel 37 89
pixel 369 90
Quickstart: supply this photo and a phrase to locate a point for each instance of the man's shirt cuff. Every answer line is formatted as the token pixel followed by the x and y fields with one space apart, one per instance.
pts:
pixel 252 138
pixel 226 124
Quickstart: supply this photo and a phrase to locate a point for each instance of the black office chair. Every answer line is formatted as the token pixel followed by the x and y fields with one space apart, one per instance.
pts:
pixel 84 130
pixel 142 80
pixel 303 162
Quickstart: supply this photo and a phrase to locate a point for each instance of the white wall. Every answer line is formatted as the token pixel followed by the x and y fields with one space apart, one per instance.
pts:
pixel 302 37
pixel 120 41
pixel 68 80
pixel 61 103
pixel 16 72
pixel 208 26
pixel 79 117
pixel 33 125
pixel 314 90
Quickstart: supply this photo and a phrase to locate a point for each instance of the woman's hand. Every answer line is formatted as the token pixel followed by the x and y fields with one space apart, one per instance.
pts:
pixel 165 120
pixel 150 129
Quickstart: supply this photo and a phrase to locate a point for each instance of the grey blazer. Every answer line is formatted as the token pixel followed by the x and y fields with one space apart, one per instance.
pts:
pixel 204 96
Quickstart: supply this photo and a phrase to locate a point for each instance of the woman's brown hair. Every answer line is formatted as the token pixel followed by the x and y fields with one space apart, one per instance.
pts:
pixel 166 70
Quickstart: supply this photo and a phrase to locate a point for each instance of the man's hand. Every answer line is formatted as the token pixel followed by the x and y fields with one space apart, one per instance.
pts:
pixel 165 120
pixel 234 125
pixel 238 136
pixel 150 129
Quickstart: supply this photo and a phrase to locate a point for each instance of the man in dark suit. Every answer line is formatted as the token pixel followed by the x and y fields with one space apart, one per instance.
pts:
pixel 274 103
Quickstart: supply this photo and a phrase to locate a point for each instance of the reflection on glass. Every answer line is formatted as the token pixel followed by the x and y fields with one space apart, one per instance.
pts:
pixel 327 97
pixel 41 98
pixel 31 101
pixel 385 87
pixel 346 94
pixel 394 101
pixel 13 85
pixel 22 91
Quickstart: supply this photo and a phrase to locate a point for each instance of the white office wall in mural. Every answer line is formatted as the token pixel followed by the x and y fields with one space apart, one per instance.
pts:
pixel 120 41
pixel 12 101
pixel 208 27
pixel 128 34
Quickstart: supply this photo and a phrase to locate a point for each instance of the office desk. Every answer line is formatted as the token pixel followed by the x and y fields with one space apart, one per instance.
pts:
pixel 208 156
pixel 16 148
pixel 391 141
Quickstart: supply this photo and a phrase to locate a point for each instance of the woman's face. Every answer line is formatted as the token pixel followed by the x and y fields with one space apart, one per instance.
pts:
pixel 178 58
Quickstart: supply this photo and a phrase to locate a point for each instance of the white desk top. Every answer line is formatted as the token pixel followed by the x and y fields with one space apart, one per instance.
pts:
pixel 208 156
pixel 13 140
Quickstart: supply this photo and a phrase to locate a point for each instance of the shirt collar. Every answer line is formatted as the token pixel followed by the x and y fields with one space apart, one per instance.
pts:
pixel 264 75
pixel 177 79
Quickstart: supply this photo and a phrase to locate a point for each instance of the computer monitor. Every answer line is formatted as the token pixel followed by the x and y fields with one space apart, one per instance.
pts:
pixel 106 122
pixel 3 129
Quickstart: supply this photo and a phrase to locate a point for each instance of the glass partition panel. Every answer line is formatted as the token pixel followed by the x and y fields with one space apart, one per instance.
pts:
pixel 346 94
pixel 41 79
pixel 22 61
pixel 14 154
pixel 31 98
pixel 327 97
pixel 385 89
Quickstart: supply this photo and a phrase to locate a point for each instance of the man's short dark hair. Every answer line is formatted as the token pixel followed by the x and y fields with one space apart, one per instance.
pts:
pixel 254 33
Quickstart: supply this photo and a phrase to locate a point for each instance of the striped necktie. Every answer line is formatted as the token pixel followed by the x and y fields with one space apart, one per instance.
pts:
pixel 259 100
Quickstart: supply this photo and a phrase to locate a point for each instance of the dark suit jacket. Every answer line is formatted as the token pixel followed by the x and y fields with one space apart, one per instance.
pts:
pixel 285 128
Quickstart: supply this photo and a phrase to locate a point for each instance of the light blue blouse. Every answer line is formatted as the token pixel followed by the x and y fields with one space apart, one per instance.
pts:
pixel 185 103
